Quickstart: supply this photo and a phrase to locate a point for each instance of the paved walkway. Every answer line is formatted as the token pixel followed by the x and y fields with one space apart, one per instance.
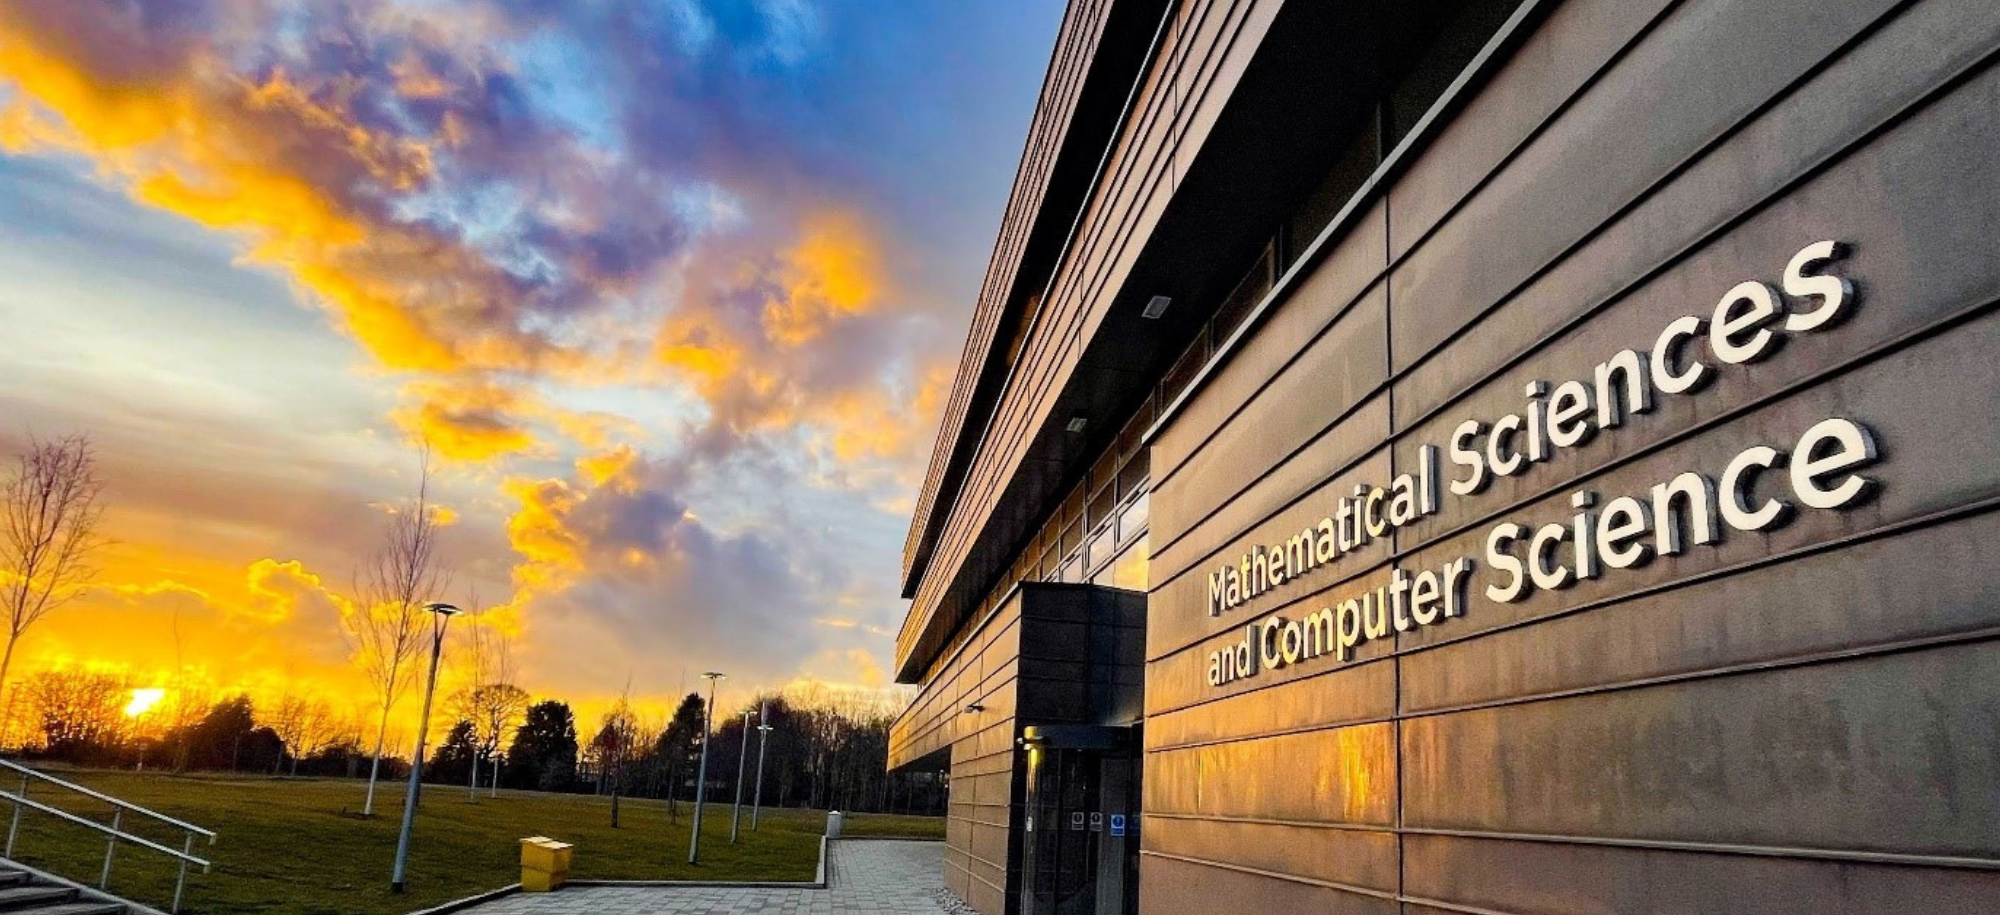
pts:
pixel 868 876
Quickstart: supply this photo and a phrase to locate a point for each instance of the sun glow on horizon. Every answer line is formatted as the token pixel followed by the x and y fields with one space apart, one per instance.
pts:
pixel 143 700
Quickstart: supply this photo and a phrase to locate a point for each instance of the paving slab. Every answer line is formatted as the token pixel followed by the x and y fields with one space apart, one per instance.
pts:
pixel 864 877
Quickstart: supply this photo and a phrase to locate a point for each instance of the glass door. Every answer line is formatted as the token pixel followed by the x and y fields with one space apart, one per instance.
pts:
pixel 1080 845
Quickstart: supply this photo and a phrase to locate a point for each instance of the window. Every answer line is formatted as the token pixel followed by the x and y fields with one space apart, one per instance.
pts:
pixel 1132 521
pixel 1130 569
pixel 1098 550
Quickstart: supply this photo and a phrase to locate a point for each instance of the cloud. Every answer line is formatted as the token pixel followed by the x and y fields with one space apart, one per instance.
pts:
pixel 623 265
pixel 613 566
pixel 270 614
pixel 481 224
pixel 284 591
pixel 467 419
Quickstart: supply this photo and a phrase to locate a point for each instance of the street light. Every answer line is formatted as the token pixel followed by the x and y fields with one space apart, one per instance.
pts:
pixel 742 757
pixel 763 738
pixel 442 613
pixel 701 772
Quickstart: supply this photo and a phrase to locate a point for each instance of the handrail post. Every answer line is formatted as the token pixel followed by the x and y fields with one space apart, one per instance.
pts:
pixel 114 830
pixel 110 846
pixel 180 883
pixel 16 827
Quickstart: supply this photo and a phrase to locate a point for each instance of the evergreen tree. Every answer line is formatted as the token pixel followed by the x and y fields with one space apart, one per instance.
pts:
pixel 678 744
pixel 261 750
pixel 543 755
pixel 216 741
pixel 452 763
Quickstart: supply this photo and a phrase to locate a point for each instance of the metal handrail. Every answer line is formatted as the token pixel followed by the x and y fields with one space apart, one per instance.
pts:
pixel 115 830
pixel 115 802
pixel 100 827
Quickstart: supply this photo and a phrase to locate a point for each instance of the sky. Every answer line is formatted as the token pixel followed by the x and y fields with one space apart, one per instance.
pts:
pixel 672 290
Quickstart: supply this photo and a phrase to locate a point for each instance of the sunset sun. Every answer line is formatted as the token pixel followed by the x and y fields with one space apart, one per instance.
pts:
pixel 143 700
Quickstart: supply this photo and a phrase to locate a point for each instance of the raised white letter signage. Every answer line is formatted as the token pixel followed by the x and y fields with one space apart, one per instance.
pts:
pixel 1760 488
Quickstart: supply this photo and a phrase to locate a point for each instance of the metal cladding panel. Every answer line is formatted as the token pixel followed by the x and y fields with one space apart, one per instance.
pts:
pixel 1500 875
pixel 1051 654
pixel 1885 754
pixel 1796 719
pixel 1168 884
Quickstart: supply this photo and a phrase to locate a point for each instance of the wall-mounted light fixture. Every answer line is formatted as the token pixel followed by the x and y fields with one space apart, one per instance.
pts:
pixel 1077 421
pixel 1155 307
pixel 974 709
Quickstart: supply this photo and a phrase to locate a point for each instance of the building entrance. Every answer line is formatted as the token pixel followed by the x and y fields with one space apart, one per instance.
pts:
pixel 1080 848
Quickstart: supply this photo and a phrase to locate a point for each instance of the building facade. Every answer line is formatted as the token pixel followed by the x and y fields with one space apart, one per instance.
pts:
pixel 1479 456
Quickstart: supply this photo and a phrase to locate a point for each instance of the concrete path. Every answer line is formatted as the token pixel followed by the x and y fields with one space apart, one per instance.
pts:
pixel 864 877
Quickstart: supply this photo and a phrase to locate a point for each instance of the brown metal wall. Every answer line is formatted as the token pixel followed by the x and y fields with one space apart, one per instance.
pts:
pixel 1207 45
pixel 1050 654
pixel 1800 721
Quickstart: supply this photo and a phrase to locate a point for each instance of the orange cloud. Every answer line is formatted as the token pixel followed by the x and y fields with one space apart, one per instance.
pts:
pixel 610 468
pixel 318 183
pixel 783 341
pixel 466 420
pixel 832 273
pixel 278 162
pixel 375 213
pixel 865 427
pixel 281 591
pixel 241 631
pixel 551 555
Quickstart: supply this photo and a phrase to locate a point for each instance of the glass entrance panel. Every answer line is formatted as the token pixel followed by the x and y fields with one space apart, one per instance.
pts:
pixel 1080 845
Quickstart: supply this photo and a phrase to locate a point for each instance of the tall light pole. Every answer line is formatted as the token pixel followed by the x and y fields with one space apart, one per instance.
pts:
pixel 742 757
pixel 701 772
pixel 442 618
pixel 763 738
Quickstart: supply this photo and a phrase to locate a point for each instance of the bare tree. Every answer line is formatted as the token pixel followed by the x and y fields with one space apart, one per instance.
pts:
pixel 614 746
pixel 387 626
pixel 304 724
pixel 80 711
pixel 186 703
pixel 490 699
pixel 50 530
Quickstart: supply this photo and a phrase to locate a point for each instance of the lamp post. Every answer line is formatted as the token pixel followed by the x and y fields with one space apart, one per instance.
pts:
pixel 763 738
pixel 442 617
pixel 742 758
pixel 701 772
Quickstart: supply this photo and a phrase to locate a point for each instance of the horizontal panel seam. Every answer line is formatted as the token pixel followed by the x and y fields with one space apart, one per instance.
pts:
pixel 1379 828
pixel 1858 140
pixel 1725 848
pixel 1807 173
pixel 1967 511
pixel 1282 291
pixel 1481 69
pixel 1260 872
pixel 1855 362
pixel 1901 646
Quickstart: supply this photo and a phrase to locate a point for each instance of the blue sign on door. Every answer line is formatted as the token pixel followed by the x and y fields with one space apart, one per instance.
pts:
pixel 1117 824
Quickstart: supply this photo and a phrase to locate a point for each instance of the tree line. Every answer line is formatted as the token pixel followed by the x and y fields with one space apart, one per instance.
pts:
pixel 823 748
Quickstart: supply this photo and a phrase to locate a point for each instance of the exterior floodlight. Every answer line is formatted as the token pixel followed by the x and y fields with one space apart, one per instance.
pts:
pixel 444 613
pixel 1156 307
pixel 763 737
pixel 1077 421
pixel 701 774
pixel 742 760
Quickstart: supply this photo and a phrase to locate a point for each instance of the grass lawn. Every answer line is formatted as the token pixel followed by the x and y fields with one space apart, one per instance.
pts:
pixel 285 846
